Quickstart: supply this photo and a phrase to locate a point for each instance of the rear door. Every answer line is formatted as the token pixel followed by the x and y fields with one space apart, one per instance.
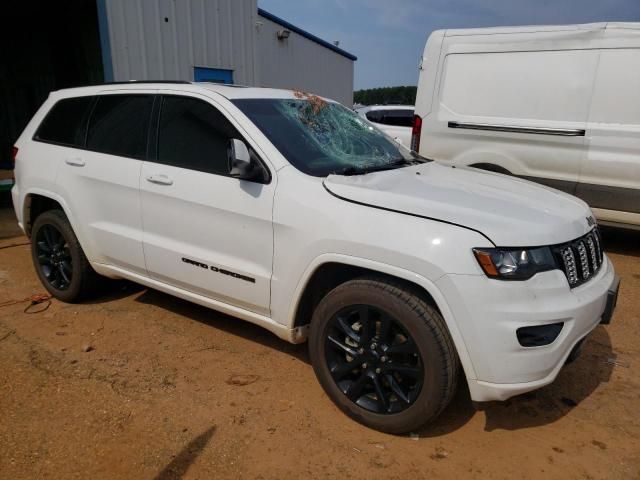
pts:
pixel 205 231
pixel 101 181
pixel 60 135
pixel 610 174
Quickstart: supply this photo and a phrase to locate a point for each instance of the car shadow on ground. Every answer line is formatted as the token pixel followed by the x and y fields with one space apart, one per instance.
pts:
pixel 576 381
pixel 226 323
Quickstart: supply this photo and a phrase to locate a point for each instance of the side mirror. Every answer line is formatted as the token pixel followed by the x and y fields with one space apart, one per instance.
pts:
pixel 244 165
pixel 240 164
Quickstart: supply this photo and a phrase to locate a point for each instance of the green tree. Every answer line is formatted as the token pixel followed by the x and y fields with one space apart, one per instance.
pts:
pixel 405 95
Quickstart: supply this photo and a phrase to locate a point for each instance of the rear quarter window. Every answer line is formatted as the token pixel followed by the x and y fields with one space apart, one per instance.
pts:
pixel 66 122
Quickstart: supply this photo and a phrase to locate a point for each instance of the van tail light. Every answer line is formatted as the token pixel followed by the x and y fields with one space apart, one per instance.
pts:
pixel 415 133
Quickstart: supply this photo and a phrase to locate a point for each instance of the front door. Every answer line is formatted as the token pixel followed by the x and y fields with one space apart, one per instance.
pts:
pixel 205 231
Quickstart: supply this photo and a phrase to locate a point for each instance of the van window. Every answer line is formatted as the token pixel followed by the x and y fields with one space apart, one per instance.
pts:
pixel 543 85
pixel 194 135
pixel 616 96
pixel 396 118
pixel 66 122
pixel 119 125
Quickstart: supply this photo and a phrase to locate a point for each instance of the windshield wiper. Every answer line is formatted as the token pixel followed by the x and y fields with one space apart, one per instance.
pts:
pixel 402 162
pixel 347 171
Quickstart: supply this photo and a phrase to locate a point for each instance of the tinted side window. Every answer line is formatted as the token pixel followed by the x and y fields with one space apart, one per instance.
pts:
pixel 398 118
pixel 374 116
pixel 194 135
pixel 66 122
pixel 119 125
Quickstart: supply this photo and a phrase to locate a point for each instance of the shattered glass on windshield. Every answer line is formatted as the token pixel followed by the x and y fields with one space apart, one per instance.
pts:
pixel 320 137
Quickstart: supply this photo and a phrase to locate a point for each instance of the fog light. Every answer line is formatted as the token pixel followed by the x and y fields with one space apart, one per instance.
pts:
pixel 539 335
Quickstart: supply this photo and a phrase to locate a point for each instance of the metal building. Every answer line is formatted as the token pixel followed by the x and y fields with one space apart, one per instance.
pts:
pixel 229 41
pixel 72 43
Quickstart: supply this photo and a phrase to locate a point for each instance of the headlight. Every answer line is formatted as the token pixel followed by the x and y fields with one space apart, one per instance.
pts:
pixel 514 263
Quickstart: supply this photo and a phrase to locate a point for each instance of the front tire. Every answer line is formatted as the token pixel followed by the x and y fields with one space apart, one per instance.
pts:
pixel 383 354
pixel 59 260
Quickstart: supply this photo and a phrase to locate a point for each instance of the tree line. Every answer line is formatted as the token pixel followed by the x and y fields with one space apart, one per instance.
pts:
pixel 386 95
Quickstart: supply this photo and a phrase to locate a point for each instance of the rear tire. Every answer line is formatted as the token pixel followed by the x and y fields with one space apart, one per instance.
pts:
pixel 395 375
pixel 59 259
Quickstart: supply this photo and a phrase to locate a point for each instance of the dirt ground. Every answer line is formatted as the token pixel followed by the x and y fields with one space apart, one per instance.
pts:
pixel 172 390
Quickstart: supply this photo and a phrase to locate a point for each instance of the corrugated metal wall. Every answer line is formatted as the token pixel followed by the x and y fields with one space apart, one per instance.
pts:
pixel 300 63
pixel 165 39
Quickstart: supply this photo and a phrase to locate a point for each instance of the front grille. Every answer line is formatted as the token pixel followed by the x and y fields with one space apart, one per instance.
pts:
pixel 582 258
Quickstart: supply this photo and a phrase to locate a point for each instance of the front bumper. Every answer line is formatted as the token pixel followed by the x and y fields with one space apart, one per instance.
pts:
pixel 489 312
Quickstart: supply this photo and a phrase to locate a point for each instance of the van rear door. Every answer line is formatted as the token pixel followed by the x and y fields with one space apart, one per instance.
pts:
pixel 610 174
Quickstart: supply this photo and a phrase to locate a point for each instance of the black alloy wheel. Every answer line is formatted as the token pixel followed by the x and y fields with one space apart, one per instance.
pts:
pixel 373 360
pixel 383 354
pixel 54 257
pixel 59 260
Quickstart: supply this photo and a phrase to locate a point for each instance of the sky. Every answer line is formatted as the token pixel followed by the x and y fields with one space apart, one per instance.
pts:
pixel 388 36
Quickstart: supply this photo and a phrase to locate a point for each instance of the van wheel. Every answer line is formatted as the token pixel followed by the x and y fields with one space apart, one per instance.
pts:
pixel 58 258
pixel 383 355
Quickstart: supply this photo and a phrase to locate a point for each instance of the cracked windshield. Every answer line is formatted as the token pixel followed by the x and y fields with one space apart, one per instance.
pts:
pixel 320 138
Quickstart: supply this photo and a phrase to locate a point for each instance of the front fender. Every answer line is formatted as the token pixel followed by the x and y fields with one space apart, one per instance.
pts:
pixel 413 277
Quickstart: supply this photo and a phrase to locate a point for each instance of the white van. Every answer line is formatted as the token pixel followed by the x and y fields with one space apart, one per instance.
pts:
pixel 559 105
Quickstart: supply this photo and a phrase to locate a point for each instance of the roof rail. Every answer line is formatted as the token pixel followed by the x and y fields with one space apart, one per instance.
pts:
pixel 128 82
pixel 234 85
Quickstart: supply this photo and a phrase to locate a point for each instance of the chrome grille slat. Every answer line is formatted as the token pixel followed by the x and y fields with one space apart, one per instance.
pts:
pixel 596 236
pixel 592 252
pixel 584 261
pixel 582 258
pixel 570 269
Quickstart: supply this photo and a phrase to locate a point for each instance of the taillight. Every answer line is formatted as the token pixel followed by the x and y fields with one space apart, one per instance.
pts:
pixel 415 133
pixel 14 154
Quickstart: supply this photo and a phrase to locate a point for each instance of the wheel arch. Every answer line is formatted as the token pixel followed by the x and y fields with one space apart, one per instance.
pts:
pixel 330 270
pixel 492 159
pixel 38 201
pixel 491 167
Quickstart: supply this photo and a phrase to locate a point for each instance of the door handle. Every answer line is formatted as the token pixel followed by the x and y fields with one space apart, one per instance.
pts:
pixel 74 162
pixel 159 179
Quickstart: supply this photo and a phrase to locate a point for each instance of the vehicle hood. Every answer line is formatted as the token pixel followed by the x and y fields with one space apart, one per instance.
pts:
pixel 509 211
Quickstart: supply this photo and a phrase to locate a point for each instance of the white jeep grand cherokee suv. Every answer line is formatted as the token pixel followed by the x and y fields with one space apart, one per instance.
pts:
pixel 292 212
